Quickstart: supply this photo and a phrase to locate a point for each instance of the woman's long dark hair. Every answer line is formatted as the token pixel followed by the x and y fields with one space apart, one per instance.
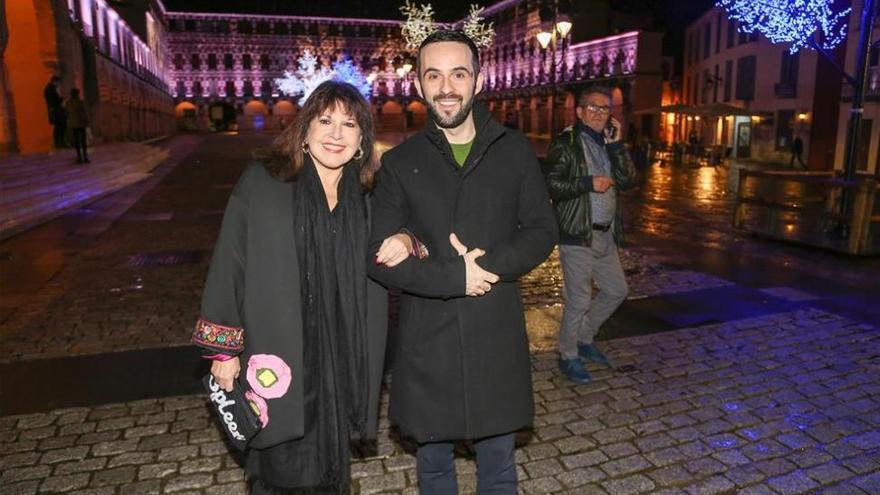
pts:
pixel 285 157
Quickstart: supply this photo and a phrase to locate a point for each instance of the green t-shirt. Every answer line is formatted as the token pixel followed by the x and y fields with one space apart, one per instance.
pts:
pixel 461 151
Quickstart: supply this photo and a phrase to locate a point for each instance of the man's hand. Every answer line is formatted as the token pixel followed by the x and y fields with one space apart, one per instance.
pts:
pixel 601 183
pixel 477 281
pixel 615 136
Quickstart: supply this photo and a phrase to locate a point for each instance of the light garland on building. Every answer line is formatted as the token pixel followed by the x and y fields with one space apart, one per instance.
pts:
pixel 803 23
pixel 309 76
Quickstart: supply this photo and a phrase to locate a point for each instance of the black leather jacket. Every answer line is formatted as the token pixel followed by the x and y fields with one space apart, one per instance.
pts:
pixel 569 183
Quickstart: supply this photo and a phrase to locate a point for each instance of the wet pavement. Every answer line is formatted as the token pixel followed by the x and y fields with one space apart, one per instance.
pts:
pixel 742 365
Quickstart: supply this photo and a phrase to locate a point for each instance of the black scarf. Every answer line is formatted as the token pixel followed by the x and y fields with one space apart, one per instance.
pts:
pixel 330 248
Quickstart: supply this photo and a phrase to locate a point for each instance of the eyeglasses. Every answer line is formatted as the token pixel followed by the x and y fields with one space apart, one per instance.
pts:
pixel 598 108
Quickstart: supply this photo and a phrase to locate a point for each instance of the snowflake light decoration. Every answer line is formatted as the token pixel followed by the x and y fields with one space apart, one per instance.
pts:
pixel 481 34
pixel 308 77
pixel 418 25
pixel 811 23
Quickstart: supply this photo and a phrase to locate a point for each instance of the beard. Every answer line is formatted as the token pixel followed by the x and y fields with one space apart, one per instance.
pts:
pixel 454 120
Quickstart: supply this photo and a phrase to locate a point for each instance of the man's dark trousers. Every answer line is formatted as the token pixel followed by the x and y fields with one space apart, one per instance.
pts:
pixel 496 467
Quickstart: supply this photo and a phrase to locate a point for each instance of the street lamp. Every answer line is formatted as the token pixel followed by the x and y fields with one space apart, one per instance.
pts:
pixel 557 24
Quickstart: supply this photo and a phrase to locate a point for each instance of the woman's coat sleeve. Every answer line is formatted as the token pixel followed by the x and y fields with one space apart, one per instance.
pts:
pixel 220 327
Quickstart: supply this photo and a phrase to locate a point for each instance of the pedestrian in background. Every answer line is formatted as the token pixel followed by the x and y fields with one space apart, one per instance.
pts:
pixel 797 151
pixel 55 109
pixel 78 122
pixel 287 302
pixel 586 166
pixel 472 190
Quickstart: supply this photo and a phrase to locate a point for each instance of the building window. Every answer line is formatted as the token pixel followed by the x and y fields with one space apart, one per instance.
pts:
pixel 230 89
pixel 281 28
pixel 212 61
pixel 197 88
pixel 189 25
pixel 266 88
pixel 228 61
pixel 742 38
pixel 715 82
pixel 262 27
pixel 248 89
pixel 181 89
pixel 195 61
pixel 718 33
pixel 728 79
pixel 265 63
pixel 245 27
pixel 178 61
pixel 687 90
pixel 731 32
pixel 788 76
pixel 745 78
pixel 246 62
pixel 707 41
pixel 705 82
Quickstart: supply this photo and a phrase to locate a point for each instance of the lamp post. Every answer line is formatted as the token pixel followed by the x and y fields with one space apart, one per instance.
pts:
pixel 402 72
pixel 554 23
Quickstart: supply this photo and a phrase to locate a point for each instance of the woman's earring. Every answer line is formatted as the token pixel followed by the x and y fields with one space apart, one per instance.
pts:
pixel 359 154
pixel 305 147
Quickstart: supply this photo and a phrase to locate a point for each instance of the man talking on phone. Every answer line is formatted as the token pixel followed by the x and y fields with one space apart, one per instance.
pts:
pixel 585 168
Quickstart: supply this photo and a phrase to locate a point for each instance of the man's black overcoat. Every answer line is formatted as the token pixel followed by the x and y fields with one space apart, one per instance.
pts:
pixel 462 369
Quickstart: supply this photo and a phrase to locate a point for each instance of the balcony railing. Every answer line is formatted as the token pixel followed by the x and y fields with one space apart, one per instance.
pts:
pixel 785 90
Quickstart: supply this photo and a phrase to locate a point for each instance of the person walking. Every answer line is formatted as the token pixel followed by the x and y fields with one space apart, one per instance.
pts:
pixel 287 303
pixel 472 191
pixel 797 151
pixel 55 109
pixel 78 122
pixel 586 166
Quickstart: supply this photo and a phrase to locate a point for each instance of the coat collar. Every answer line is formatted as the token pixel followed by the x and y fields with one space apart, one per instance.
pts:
pixel 488 131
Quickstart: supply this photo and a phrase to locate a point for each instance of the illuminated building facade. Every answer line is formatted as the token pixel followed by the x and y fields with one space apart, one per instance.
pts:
pixel 228 63
pixel 790 94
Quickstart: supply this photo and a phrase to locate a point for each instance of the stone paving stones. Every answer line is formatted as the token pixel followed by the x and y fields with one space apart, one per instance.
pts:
pixel 696 432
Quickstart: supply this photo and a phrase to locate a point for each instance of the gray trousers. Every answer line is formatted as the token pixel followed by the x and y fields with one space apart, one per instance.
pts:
pixel 582 315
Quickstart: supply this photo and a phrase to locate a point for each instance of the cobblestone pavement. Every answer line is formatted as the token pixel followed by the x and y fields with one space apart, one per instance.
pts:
pixel 782 404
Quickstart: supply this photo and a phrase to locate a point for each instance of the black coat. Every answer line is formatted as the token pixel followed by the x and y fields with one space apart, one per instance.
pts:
pixel 462 369
pixel 254 284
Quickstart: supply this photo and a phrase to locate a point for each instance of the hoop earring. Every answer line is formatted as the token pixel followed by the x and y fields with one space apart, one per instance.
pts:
pixel 359 154
pixel 305 148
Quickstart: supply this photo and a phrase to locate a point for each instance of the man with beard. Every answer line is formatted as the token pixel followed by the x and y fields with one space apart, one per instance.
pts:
pixel 462 369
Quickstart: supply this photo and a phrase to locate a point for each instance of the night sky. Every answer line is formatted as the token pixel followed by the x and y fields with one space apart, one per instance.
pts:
pixel 671 16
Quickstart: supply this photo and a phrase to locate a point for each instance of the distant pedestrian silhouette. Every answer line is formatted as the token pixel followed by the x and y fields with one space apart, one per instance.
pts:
pixel 797 149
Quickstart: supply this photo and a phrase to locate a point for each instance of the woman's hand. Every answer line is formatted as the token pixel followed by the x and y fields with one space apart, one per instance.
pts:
pixel 225 372
pixel 394 250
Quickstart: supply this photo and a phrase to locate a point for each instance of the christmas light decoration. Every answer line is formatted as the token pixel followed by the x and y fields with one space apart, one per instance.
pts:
pixel 482 34
pixel 803 23
pixel 309 76
pixel 419 24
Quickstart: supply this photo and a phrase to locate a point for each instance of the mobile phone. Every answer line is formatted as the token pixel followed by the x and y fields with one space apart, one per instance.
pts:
pixel 610 130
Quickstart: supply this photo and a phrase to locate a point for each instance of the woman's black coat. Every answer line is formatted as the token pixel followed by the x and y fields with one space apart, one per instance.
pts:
pixel 254 284
pixel 462 369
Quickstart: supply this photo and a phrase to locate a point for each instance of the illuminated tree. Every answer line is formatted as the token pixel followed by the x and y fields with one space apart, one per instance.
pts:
pixel 309 76
pixel 812 23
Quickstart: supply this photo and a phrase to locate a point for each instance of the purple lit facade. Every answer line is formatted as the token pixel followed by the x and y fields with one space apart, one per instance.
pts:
pixel 232 59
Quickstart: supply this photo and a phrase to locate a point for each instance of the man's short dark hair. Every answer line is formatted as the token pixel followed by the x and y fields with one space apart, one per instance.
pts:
pixel 442 35
pixel 594 89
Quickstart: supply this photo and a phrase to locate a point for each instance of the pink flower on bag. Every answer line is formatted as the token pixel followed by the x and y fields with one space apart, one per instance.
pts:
pixel 259 406
pixel 268 375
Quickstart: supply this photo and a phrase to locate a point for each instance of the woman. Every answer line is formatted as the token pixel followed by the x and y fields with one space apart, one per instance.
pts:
pixel 287 302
